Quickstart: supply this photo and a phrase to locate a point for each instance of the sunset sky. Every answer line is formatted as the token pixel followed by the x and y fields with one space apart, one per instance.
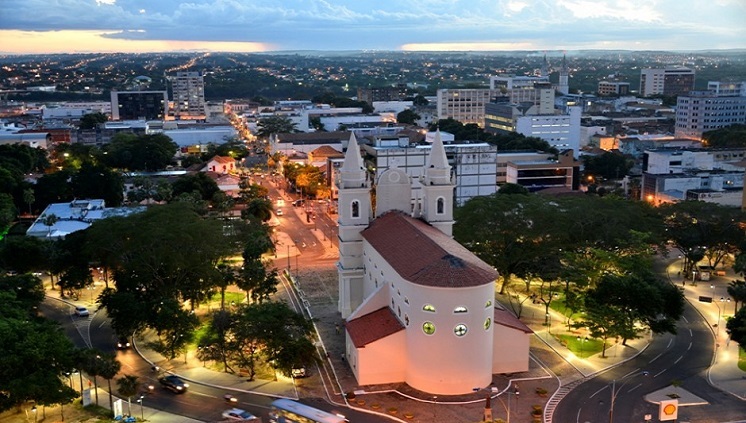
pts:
pixel 55 26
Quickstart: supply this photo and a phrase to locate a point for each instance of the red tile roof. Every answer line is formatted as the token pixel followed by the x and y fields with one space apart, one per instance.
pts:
pixel 505 318
pixel 372 327
pixel 223 159
pixel 326 151
pixel 424 255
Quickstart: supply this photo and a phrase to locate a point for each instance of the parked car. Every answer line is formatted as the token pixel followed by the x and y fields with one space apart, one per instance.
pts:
pixel 81 311
pixel 238 414
pixel 298 372
pixel 278 212
pixel 174 384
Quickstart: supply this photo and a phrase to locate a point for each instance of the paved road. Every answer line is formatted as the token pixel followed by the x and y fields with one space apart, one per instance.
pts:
pixel 683 357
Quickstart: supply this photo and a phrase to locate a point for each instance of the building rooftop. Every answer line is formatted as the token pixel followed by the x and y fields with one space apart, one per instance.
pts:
pixel 424 255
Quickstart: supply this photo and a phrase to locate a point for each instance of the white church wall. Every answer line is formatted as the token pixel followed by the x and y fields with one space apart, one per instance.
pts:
pixel 443 362
pixel 371 358
pixel 512 348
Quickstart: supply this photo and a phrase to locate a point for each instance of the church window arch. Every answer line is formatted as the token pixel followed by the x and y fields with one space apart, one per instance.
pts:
pixel 398 311
pixel 428 307
pixel 392 303
pixel 460 330
pixel 406 300
pixel 460 309
pixel 440 205
pixel 488 304
pixel 355 209
pixel 428 328
pixel 487 324
pixel 406 319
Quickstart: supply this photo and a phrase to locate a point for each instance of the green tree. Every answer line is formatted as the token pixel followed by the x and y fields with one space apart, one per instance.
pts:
pixel 510 188
pixel 143 152
pixel 408 116
pixel 198 183
pixel 737 291
pixel 23 254
pixel 28 198
pixel 109 366
pixel 128 386
pixel 98 181
pixel 274 329
pixel 505 231
pixel 91 120
pixel 8 210
pixel 736 327
pixel 733 136
pixel 258 208
pixel 608 165
pixel 276 124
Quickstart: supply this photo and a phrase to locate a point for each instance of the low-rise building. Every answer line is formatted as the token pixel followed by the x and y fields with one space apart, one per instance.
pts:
pixel 61 219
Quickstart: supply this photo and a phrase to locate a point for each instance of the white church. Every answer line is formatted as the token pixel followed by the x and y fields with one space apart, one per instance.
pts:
pixel 420 308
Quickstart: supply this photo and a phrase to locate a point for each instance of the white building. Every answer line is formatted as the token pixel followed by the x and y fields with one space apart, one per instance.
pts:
pixel 413 297
pixel 561 131
pixel 74 216
pixel 474 164
pixel 509 82
pixel 701 111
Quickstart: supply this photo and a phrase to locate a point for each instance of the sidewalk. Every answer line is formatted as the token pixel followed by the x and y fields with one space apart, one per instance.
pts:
pixel 724 373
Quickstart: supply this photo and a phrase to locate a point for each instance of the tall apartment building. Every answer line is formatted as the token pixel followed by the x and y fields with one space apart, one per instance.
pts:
pixel 370 95
pixel 724 104
pixel 670 81
pixel 189 95
pixel 139 105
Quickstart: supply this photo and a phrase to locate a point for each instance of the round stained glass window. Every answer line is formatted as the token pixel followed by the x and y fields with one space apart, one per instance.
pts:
pixel 460 330
pixel 428 328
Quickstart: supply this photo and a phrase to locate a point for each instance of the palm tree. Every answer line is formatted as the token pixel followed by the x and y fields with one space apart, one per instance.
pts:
pixel 227 277
pixel 89 362
pixel 109 366
pixel 49 221
pixel 128 386
pixel 28 198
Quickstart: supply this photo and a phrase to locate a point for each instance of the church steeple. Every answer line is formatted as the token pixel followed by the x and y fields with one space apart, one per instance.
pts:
pixel 438 171
pixel 352 172
pixel 545 67
pixel 437 189
pixel 355 213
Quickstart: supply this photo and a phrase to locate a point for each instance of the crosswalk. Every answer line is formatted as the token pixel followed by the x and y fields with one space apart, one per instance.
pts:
pixel 83 326
pixel 558 396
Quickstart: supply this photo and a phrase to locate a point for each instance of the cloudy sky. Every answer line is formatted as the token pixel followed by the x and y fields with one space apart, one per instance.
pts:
pixel 46 26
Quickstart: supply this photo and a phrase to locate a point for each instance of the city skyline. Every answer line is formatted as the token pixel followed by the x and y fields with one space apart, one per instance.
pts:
pixel 87 26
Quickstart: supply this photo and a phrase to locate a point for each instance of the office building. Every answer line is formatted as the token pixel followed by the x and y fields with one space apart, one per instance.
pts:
pixel 669 81
pixel 139 105
pixel 724 104
pixel 613 88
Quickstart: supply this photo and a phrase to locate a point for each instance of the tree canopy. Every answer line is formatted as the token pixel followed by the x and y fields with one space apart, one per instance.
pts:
pixel 140 152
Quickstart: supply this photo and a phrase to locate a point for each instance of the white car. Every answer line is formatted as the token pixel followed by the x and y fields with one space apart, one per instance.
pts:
pixel 278 212
pixel 238 414
pixel 81 311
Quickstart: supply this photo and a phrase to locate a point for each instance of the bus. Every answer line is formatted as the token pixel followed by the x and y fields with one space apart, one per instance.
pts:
pixel 289 411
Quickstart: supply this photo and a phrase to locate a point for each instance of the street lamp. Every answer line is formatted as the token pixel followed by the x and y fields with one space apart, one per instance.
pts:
pixel 615 392
pixel 33 411
pixel 142 412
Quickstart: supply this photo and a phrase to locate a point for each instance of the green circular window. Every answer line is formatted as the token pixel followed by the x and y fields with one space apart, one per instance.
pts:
pixel 487 324
pixel 428 328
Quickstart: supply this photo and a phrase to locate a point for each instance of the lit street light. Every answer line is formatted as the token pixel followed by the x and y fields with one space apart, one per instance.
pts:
pixel 142 412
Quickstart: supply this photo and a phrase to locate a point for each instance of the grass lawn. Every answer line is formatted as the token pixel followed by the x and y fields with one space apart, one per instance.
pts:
pixel 742 359
pixel 582 348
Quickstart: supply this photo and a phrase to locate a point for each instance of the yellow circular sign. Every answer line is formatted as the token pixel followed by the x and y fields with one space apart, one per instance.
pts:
pixel 669 409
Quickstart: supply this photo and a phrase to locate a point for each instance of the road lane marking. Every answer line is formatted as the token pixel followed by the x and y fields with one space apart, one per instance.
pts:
pixel 637 386
pixel 685 319
pixel 594 394
pixel 690 333
pixel 633 371
pixel 678 359
pixel 670 341
pixel 656 357
pixel 690 346
pixel 660 373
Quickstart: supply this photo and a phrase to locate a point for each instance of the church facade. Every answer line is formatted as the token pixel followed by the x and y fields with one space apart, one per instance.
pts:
pixel 419 307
